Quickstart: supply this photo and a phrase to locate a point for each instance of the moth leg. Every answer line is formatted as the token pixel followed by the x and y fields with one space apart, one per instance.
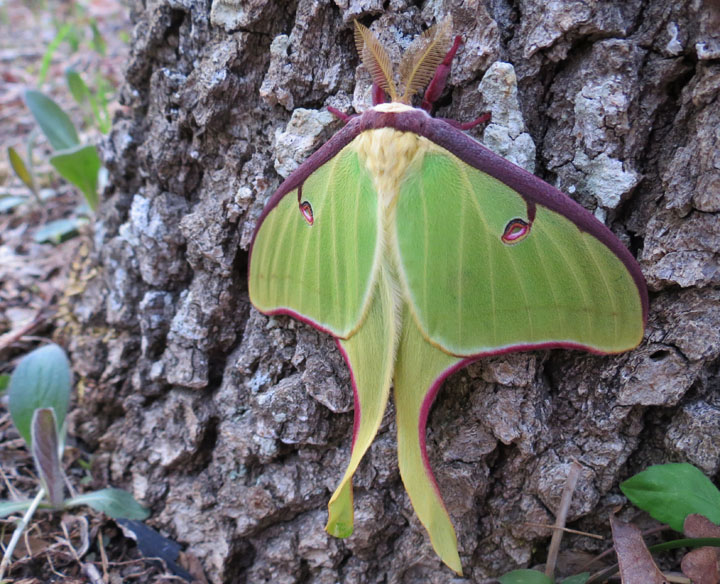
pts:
pixel 343 117
pixel 436 86
pixel 467 125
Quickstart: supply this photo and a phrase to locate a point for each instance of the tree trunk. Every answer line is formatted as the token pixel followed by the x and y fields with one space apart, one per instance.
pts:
pixel 235 427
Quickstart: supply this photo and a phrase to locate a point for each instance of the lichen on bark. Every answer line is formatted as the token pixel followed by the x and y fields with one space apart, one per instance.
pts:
pixel 235 427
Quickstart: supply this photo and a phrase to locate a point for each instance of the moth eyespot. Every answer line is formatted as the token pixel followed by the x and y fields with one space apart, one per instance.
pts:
pixel 516 230
pixel 307 212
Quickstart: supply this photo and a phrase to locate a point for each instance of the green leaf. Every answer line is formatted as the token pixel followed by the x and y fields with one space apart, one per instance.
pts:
pixel 671 492
pixel 59 230
pixel 45 454
pixel 691 542
pixel 98 42
pixel 18 165
pixel 74 37
pixel 80 166
pixel 53 121
pixel 113 502
pixel 50 51
pixel 4 381
pixel 524 577
pixel 77 86
pixel 42 379
pixel 10 507
pixel 577 578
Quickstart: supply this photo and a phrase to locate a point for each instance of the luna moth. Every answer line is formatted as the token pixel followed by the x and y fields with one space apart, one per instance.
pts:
pixel 421 251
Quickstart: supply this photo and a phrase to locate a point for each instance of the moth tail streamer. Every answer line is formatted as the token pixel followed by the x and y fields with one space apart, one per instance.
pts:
pixel 420 368
pixel 370 355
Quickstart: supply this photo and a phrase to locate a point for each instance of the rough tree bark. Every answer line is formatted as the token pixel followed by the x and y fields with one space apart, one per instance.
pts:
pixel 235 428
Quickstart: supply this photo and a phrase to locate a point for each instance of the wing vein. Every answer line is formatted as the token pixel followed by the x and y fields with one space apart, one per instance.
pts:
pixel 332 193
pixel 356 246
pixel 461 255
pixel 543 265
pixel 473 194
pixel 608 289
pixel 573 271
pixel 426 249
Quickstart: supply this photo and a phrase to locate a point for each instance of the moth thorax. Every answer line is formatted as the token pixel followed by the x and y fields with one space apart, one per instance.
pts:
pixel 387 153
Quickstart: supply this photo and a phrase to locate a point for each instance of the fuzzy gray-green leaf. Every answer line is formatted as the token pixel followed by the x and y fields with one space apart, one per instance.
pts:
pixel 53 121
pixel 113 502
pixel 42 379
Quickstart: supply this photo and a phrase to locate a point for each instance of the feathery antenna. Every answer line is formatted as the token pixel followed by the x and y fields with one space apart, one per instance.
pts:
pixel 423 57
pixel 376 60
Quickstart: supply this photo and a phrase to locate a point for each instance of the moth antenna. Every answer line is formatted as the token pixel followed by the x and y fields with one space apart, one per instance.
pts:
pixel 376 60
pixel 423 58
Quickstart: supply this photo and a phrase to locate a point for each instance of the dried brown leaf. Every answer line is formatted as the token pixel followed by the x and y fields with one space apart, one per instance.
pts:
pixel 423 57
pixel 701 566
pixel 375 58
pixel 696 525
pixel 634 559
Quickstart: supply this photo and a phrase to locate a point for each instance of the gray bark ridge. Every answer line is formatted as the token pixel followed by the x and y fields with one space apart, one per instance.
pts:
pixel 235 427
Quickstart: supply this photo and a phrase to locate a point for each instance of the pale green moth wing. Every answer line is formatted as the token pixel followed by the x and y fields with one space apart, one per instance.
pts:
pixel 486 271
pixel 316 256
pixel 295 267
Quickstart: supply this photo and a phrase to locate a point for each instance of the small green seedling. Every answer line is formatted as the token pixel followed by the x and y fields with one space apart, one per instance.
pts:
pixel 96 101
pixel 66 32
pixel 23 168
pixel 39 396
pixel 77 163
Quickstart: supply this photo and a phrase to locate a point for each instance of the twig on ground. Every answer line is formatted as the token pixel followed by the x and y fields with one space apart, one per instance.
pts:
pixel 561 517
pixel 103 556
pixel 23 523
pixel 565 529
pixel 13 336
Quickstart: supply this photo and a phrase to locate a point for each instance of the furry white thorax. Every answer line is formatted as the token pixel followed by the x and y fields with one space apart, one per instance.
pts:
pixel 388 153
pixel 392 107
